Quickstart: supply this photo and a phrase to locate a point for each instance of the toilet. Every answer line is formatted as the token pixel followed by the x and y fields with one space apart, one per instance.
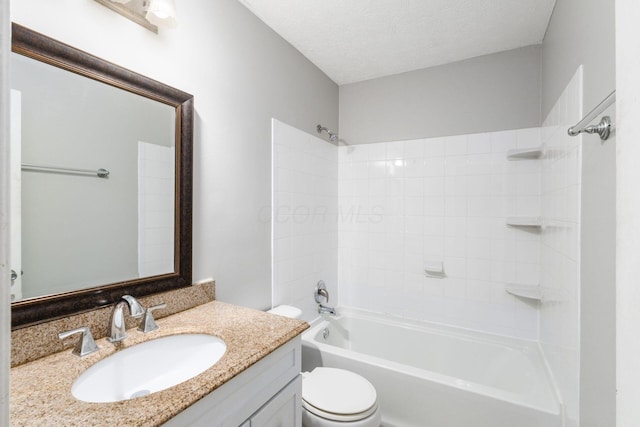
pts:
pixel 334 397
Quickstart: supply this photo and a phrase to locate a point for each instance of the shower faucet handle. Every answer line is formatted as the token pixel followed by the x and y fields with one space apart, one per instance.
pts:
pixel 321 292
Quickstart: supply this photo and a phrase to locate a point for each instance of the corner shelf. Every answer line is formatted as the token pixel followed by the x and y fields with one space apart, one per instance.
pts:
pixel 524 221
pixel 525 153
pixel 533 292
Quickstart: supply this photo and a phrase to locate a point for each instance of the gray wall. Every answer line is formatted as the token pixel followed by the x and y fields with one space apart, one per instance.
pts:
pixel 79 231
pixel 488 93
pixel 583 32
pixel 242 74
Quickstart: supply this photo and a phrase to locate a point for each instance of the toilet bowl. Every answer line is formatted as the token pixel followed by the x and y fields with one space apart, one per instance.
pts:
pixel 334 397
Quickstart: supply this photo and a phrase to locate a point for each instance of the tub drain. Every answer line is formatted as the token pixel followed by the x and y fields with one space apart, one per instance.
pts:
pixel 140 393
pixel 325 333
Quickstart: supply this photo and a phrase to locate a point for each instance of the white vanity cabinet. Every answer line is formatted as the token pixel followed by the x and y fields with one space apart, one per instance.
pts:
pixel 267 394
pixel 283 410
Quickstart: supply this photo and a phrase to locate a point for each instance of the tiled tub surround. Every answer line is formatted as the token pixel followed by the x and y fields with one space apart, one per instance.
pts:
pixel 305 210
pixel 560 261
pixel 405 204
pixel 41 390
pixel 33 342
pixel 155 208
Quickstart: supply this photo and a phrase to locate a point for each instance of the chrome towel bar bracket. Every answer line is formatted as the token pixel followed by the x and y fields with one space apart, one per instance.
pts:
pixel 603 128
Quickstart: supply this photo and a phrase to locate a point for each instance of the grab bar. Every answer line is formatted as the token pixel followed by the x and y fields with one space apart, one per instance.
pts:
pixel 100 173
pixel 603 128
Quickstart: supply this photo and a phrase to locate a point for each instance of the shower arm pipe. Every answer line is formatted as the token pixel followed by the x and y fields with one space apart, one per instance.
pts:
pixel 603 128
pixel 332 136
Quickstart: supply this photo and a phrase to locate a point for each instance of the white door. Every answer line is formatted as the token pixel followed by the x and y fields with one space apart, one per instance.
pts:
pixel 15 214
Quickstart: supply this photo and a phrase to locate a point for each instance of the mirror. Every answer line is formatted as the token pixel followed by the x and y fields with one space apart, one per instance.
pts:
pixel 101 181
pixel 107 227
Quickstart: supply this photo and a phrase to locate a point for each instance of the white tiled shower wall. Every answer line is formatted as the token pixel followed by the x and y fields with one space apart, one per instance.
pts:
pixel 155 208
pixel 560 263
pixel 407 203
pixel 304 213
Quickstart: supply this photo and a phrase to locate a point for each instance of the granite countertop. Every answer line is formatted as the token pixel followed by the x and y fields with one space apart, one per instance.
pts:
pixel 41 390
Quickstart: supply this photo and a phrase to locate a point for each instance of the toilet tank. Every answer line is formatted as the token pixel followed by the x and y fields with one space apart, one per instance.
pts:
pixel 286 311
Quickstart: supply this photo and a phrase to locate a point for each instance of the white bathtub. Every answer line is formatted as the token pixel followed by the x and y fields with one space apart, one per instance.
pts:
pixel 437 376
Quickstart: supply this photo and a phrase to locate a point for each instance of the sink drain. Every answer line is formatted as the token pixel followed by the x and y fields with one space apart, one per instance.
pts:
pixel 140 393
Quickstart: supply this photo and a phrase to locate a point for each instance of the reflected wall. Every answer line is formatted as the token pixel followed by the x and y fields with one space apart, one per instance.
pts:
pixel 79 230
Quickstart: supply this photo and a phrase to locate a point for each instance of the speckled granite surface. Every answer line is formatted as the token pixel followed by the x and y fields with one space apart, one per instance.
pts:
pixel 34 342
pixel 41 390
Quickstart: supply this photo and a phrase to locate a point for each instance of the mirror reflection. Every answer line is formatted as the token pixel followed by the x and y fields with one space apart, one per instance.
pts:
pixel 72 228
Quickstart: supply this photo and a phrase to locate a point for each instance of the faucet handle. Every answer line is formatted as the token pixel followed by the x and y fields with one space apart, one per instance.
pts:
pixel 86 345
pixel 321 292
pixel 148 323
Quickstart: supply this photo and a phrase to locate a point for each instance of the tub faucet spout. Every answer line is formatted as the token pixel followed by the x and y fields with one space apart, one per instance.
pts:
pixel 326 309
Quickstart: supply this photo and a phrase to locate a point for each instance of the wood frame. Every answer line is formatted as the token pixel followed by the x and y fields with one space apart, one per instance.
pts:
pixel 41 309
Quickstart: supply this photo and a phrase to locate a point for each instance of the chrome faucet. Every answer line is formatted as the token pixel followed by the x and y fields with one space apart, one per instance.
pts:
pixel 319 293
pixel 117 325
pixel 326 309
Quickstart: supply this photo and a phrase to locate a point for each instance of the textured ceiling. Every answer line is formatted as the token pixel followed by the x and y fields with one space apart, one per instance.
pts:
pixel 355 40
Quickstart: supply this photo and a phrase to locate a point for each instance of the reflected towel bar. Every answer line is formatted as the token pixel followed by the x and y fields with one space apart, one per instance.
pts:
pixel 100 173
pixel 603 128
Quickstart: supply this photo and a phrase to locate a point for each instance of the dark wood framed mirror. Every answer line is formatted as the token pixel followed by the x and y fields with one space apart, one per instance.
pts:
pixel 95 294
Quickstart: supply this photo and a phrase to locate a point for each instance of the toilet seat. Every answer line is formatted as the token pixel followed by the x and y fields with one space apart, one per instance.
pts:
pixel 338 395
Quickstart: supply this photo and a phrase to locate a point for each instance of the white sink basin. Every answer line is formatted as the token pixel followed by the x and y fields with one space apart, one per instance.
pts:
pixel 148 367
